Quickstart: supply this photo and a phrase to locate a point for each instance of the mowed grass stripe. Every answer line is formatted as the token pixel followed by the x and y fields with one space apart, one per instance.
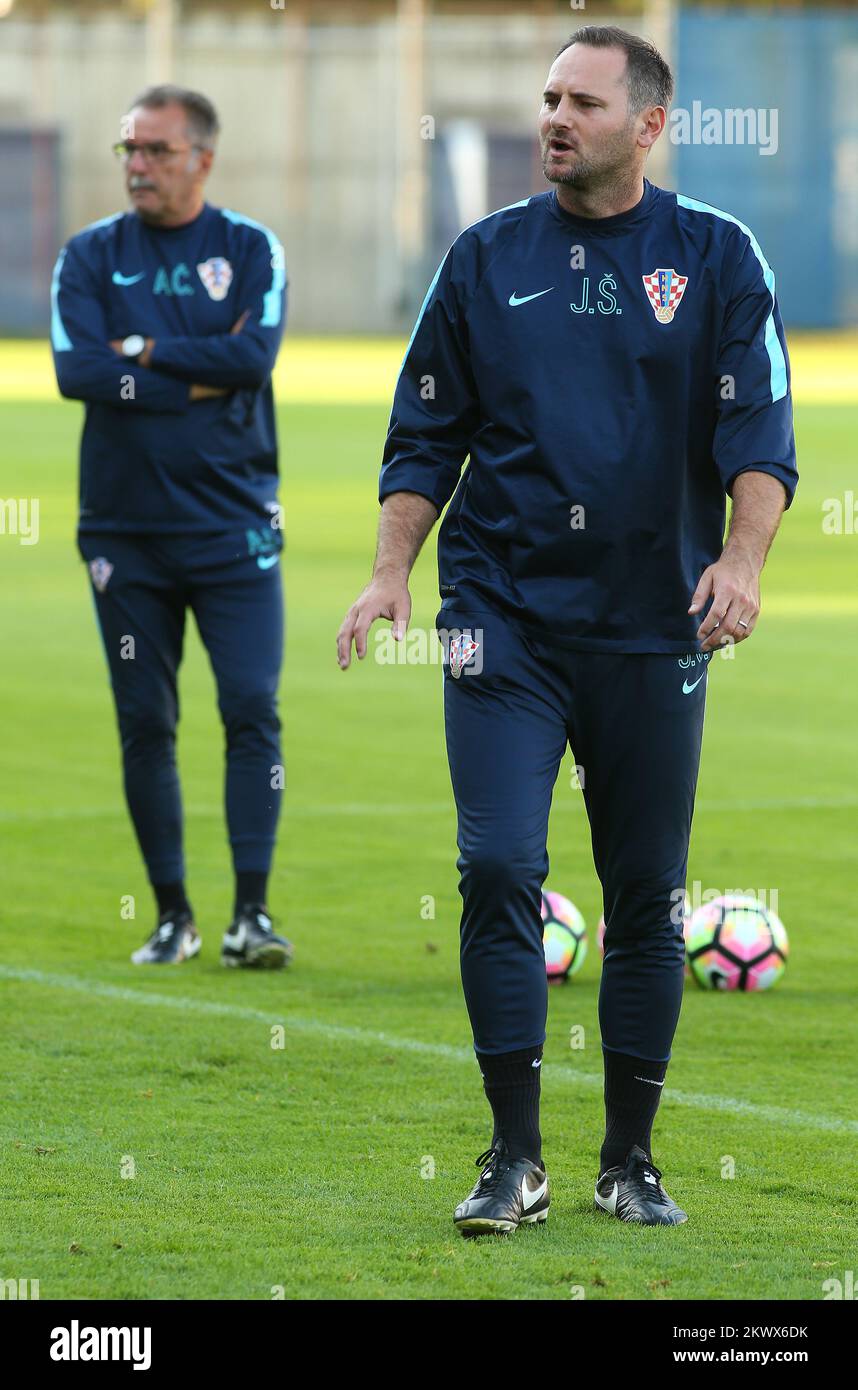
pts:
pixel 427 808
pixel 332 1032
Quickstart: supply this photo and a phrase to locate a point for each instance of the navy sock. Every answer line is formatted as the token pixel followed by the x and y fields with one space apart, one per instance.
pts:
pixel 632 1093
pixel 171 897
pixel 512 1086
pixel 251 887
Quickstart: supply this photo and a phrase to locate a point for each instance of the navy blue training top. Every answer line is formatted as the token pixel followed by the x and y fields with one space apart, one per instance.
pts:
pixel 609 379
pixel 150 459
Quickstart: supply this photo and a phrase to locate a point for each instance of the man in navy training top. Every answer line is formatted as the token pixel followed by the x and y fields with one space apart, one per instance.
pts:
pixel 167 320
pixel 611 356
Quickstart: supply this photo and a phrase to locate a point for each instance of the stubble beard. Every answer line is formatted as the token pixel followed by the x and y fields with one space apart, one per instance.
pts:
pixel 577 176
pixel 589 176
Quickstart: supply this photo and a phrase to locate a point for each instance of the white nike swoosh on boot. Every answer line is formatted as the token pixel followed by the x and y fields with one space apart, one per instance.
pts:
pixel 529 1198
pixel 609 1203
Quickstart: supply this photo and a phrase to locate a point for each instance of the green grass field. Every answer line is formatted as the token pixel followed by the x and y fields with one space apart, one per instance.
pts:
pixel 306 1169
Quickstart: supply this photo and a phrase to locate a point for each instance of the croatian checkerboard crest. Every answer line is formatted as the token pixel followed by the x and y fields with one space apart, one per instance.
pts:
pixel 216 275
pixel 462 649
pixel 101 570
pixel 664 290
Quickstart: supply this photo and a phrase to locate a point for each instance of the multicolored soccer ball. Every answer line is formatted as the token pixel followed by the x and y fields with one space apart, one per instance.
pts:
pixel 564 937
pixel 736 943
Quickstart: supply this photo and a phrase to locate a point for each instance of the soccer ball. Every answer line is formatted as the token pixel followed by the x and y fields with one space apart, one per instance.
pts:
pixel 564 937
pixel 736 943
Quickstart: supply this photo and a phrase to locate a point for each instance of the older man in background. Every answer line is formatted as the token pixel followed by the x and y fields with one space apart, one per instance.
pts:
pixel 167 320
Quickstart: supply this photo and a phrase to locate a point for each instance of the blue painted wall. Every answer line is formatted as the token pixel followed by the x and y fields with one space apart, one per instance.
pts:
pixel 801 202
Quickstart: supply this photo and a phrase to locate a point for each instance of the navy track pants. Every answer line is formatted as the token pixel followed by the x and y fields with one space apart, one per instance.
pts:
pixel 143 587
pixel 635 725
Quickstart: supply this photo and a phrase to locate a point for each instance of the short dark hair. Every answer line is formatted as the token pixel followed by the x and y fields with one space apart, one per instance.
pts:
pixel 203 123
pixel 648 76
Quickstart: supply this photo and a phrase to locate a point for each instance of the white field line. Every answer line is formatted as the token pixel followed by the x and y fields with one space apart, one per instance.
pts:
pixel 694 1100
pixel 421 808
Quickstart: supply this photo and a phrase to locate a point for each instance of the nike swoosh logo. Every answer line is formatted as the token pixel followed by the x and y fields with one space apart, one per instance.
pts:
pixel 120 279
pixel 265 562
pixel 649 1081
pixel 514 299
pixel 687 689
pixel 609 1203
pixel 537 1062
pixel 528 1198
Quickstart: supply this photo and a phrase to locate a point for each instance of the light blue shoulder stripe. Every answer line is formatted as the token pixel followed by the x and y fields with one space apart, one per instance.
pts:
pixel 773 344
pixel 272 299
pixel 60 340
pixel 103 221
pixel 426 299
pixel 522 204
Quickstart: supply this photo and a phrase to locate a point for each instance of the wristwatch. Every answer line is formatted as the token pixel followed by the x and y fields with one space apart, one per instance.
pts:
pixel 133 345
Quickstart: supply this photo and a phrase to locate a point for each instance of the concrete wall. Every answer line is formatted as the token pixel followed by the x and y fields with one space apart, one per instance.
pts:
pixel 321 136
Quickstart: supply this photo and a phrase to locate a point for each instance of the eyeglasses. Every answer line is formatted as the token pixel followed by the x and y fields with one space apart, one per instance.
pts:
pixel 153 151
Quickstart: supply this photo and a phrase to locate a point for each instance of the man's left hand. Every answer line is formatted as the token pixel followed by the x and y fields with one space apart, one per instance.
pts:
pixel 733 583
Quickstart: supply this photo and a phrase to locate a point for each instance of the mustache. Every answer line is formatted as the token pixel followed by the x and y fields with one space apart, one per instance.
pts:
pixel 139 181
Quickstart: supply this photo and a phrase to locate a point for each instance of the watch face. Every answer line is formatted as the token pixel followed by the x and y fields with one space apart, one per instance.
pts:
pixel 134 345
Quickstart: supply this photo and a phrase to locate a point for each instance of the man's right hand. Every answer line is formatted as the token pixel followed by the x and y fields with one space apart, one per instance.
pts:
pixel 406 520
pixel 383 597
